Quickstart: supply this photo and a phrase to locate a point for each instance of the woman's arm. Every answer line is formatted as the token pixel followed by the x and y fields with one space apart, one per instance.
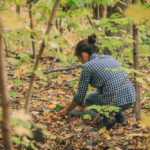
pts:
pixel 66 110
pixel 82 89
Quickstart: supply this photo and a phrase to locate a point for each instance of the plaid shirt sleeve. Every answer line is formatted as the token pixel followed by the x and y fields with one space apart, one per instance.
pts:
pixel 83 86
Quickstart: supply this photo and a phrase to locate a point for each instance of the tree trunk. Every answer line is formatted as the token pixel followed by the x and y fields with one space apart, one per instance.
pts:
pixel 17 9
pixel 99 12
pixel 50 23
pixel 31 26
pixel 4 98
pixel 137 107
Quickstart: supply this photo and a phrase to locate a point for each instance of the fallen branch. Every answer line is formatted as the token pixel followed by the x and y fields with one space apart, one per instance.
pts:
pixel 62 69
pixel 93 26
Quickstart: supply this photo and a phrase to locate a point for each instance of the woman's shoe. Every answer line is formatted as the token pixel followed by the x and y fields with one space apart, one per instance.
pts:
pixel 111 122
pixel 120 118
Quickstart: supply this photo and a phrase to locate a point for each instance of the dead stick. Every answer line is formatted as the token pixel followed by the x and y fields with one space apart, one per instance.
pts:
pixel 62 69
pixel 51 20
pixel 93 26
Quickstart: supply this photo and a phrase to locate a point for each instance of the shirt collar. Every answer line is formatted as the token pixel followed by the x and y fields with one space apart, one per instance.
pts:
pixel 94 55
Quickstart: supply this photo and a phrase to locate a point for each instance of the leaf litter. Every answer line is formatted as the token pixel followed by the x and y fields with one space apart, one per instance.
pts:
pixel 69 133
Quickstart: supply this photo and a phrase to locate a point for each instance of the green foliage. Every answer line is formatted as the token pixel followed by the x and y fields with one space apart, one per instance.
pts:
pixel 13 94
pixel 24 57
pixel 14 61
pixel 87 116
pixel 17 2
pixel 44 83
pixel 22 123
pixel 105 110
pixel 72 24
pixel 53 75
pixel 66 59
pixel 13 102
pixel 39 74
pixel 148 106
pixel 16 81
pixel 58 108
pixel 112 43
pixel 73 83
pixel 105 2
pixel 44 9
pixel 18 141
pixel 88 31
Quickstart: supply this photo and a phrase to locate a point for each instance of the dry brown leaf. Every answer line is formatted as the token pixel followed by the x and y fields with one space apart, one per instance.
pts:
pixel 67 136
pixel 145 119
pixel 78 129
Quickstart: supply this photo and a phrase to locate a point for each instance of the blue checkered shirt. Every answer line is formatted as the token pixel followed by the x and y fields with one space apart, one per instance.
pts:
pixel 107 82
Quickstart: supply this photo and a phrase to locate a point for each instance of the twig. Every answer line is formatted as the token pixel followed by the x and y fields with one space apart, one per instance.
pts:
pixel 93 26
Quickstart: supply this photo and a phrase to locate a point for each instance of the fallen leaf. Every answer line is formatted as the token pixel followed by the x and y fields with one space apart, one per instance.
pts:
pixel 117 148
pixel 102 130
pixel 78 129
pixel 67 136
pixel 51 106
pixel 145 119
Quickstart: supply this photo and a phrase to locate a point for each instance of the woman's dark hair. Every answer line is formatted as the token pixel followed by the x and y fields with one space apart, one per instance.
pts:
pixel 87 45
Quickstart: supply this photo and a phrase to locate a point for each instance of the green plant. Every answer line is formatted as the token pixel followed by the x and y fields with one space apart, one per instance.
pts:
pixel 53 75
pixel 102 110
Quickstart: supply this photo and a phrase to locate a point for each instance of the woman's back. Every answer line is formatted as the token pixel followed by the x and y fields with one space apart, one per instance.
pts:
pixel 108 82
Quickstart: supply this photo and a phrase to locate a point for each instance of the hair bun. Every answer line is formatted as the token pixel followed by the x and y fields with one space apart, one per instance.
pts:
pixel 92 39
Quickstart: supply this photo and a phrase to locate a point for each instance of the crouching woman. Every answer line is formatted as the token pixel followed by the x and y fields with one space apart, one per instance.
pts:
pixel 96 71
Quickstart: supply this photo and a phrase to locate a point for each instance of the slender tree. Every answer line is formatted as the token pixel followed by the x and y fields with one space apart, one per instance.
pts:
pixel 49 27
pixel 137 107
pixel 18 9
pixel 99 11
pixel 31 26
pixel 4 98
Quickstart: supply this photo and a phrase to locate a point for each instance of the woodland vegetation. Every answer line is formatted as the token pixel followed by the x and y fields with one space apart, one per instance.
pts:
pixel 39 73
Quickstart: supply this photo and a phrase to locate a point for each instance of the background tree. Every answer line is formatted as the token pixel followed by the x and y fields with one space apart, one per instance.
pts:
pixel 136 66
pixel 4 97
pixel 51 20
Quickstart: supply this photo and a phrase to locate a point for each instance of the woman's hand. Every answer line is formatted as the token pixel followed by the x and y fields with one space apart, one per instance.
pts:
pixel 63 112
pixel 81 108
pixel 66 110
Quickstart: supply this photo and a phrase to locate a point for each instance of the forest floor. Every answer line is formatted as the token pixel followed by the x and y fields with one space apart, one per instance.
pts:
pixel 68 135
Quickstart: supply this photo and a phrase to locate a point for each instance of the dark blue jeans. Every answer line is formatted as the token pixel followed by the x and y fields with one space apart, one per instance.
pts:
pixel 93 99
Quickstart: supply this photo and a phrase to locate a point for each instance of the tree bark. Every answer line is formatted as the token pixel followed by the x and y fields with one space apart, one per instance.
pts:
pixel 31 26
pixel 137 107
pixel 4 98
pixel 99 12
pixel 18 9
pixel 50 23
